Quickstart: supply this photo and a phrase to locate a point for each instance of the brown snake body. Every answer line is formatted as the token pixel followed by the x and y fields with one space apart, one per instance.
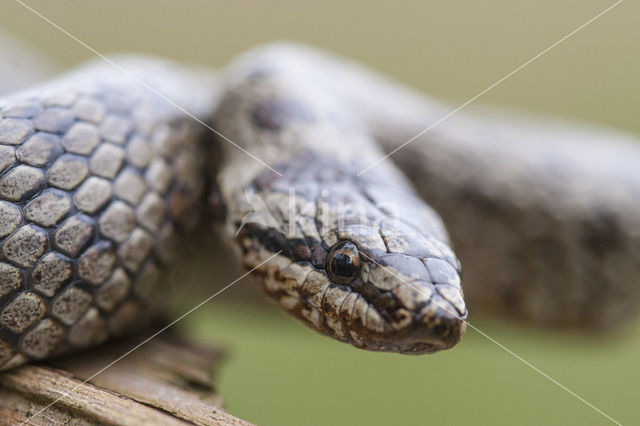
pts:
pixel 102 173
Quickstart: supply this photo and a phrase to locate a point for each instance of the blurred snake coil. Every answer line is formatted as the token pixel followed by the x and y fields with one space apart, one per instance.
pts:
pixel 106 169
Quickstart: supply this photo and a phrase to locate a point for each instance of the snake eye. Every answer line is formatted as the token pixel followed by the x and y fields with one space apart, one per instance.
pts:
pixel 343 262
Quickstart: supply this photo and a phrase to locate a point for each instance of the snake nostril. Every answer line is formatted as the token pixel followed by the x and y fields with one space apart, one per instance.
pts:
pixel 442 330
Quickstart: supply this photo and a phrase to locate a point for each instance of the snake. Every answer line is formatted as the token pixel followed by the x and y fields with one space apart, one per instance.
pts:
pixel 298 161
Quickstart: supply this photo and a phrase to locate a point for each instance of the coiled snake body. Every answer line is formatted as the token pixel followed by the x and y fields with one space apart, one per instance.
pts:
pixel 102 173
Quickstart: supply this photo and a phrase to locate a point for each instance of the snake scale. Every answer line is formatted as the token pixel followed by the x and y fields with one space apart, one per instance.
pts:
pixel 102 174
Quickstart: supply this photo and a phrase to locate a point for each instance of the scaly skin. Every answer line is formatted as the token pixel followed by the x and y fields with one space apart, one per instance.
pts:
pixel 99 176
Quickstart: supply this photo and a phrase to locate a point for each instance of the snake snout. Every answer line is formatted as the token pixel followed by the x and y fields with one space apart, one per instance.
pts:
pixel 424 305
pixel 432 335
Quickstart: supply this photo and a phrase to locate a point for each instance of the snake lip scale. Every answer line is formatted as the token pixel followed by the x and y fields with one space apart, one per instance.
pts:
pixel 101 179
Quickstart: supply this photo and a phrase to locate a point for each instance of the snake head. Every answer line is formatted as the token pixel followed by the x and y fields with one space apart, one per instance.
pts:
pixel 349 265
pixel 406 296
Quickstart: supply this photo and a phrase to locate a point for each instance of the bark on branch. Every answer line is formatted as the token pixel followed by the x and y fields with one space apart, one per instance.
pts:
pixel 167 381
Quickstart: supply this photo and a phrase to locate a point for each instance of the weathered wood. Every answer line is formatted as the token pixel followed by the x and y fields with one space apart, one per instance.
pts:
pixel 167 381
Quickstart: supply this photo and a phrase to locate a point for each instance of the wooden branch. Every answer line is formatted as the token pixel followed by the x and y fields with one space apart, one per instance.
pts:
pixel 167 381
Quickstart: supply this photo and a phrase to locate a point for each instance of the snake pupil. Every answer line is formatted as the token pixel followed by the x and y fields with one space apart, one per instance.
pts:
pixel 343 266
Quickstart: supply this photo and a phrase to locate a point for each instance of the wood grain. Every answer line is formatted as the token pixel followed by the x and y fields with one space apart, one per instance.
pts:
pixel 168 381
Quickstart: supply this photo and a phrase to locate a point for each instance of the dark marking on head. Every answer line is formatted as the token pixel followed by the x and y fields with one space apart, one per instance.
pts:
pixel 318 254
pixel 276 114
pixel 602 234
pixel 261 72
pixel 272 239
pixel 264 180
pixel 302 252
pixel 217 208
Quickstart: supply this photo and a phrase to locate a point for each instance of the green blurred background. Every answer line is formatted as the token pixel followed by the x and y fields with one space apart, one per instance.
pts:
pixel 279 372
